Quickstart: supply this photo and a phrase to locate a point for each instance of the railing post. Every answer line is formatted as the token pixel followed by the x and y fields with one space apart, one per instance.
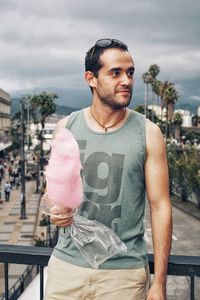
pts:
pixel 41 282
pixel 192 288
pixel 6 281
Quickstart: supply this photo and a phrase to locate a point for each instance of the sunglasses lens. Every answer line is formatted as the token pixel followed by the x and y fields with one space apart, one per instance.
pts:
pixel 104 43
pixel 119 42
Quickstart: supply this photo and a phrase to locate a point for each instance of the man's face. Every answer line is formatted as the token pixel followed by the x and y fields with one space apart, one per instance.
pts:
pixel 114 83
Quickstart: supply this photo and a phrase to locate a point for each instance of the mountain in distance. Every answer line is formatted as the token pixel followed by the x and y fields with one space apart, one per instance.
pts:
pixel 60 110
pixel 73 99
pixel 77 98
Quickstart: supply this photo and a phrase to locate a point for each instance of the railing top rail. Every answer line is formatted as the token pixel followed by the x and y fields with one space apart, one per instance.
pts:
pixel 180 265
pixel 28 255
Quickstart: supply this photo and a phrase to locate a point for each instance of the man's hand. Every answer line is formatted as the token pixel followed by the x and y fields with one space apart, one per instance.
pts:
pixel 156 292
pixel 63 222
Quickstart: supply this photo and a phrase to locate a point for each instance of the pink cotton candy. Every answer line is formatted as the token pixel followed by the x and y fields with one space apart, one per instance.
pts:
pixel 64 183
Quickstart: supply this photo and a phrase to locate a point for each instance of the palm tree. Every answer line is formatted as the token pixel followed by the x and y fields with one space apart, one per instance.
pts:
pixel 177 122
pixel 42 106
pixel 162 88
pixel 154 70
pixel 156 87
pixel 147 78
pixel 169 97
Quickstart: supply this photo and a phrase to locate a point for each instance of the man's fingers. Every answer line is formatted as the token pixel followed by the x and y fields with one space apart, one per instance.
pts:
pixel 62 222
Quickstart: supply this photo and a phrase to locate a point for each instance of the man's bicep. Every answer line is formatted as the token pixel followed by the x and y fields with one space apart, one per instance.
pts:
pixel 156 169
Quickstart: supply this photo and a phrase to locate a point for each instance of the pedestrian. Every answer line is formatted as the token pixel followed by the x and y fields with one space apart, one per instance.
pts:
pixel 12 160
pixel 1 201
pixel 9 171
pixel 2 169
pixel 7 189
pixel 123 157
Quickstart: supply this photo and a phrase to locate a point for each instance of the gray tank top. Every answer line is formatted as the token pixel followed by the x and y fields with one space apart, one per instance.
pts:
pixel 114 188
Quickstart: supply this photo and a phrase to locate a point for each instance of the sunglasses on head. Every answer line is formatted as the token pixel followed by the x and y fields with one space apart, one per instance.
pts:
pixel 104 43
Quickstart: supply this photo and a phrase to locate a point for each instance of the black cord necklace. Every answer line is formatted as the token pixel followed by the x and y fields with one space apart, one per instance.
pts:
pixel 107 127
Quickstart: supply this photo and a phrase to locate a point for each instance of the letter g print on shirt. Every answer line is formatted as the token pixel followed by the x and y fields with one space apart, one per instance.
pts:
pixel 102 175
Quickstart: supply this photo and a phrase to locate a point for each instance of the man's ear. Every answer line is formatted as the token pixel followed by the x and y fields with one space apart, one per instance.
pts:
pixel 91 79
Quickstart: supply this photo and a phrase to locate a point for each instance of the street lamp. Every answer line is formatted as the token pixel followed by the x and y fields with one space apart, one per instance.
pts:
pixel 23 183
pixel 27 106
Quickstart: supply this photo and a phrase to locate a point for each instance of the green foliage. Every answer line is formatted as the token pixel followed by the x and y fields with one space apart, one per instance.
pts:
pixel 194 170
pixel 191 137
pixel 147 78
pixel 195 120
pixel 15 138
pixel 177 119
pixel 184 170
pixel 139 108
pixel 150 114
pixel 40 241
pixel 154 70
pixel 44 221
pixel 41 106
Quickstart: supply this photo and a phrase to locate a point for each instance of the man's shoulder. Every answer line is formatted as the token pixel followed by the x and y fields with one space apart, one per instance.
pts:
pixel 154 136
pixel 152 129
pixel 62 123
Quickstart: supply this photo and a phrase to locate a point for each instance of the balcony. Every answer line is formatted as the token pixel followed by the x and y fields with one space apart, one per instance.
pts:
pixel 38 256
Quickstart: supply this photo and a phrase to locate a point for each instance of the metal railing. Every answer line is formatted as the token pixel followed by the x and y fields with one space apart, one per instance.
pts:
pixel 178 265
pixel 22 282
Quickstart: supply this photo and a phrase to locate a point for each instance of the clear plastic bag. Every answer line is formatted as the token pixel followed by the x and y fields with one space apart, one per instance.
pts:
pixel 95 241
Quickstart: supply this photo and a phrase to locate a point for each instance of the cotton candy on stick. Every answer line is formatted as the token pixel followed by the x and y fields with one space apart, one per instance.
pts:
pixel 64 183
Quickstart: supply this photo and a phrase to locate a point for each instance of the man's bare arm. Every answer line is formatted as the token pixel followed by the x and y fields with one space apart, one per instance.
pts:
pixel 61 124
pixel 157 185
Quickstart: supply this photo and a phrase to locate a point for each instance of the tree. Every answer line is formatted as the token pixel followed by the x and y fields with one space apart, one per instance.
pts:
pixel 177 122
pixel 156 87
pixel 178 171
pixel 41 106
pixel 154 70
pixel 150 114
pixel 194 171
pixel 140 108
pixel 147 78
pixel 195 120
pixel 169 96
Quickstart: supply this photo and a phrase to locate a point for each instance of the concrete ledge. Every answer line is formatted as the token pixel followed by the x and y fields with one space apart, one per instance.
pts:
pixel 187 206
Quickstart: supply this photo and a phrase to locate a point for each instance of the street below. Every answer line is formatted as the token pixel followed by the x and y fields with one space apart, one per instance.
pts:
pixel 185 241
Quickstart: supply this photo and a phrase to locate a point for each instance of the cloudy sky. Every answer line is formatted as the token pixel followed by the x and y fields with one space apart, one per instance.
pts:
pixel 43 43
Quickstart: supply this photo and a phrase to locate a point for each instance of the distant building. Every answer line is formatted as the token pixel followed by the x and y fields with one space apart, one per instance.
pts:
pixel 198 111
pixel 160 113
pixel 5 119
pixel 187 117
pixel 48 131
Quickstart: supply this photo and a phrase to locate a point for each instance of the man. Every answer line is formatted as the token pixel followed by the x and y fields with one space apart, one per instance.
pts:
pixel 7 189
pixel 123 155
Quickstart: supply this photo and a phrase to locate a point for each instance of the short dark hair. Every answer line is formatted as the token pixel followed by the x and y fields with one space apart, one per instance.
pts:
pixel 92 59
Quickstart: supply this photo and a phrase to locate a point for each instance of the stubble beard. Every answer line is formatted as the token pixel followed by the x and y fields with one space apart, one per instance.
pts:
pixel 111 101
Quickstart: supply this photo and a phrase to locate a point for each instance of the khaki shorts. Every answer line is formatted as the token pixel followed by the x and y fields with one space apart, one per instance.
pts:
pixel 69 282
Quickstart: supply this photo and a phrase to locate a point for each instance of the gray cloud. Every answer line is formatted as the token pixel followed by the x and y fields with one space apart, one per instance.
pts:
pixel 43 43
